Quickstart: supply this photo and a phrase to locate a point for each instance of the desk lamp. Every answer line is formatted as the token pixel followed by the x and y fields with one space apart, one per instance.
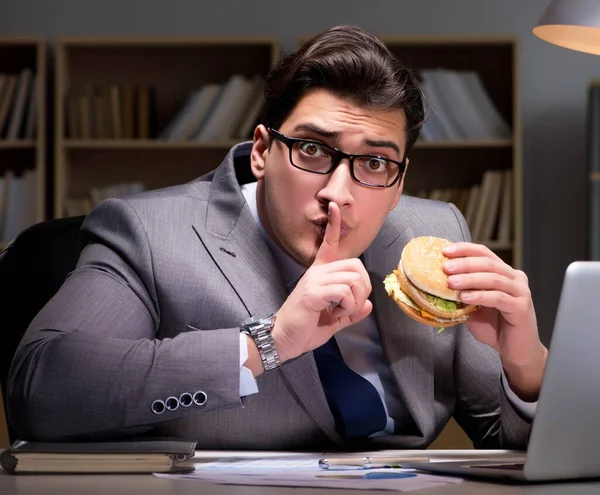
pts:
pixel 572 24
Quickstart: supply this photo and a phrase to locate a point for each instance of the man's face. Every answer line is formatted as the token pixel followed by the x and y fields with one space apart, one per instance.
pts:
pixel 293 203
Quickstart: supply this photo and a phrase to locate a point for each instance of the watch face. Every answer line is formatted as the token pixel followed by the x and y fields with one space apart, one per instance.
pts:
pixel 256 319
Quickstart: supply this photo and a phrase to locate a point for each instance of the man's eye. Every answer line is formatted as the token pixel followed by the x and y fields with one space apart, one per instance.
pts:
pixel 376 164
pixel 311 149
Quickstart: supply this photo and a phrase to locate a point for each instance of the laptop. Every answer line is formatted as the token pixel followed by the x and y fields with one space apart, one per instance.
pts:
pixel 565 437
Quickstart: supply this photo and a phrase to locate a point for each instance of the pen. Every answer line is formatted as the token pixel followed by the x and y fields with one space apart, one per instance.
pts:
pixel 366 462
pixel 370 475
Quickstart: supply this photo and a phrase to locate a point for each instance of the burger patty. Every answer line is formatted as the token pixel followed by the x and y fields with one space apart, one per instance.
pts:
pixel 421 298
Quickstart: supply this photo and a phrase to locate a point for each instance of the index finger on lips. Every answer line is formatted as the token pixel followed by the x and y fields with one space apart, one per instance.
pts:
pixel 328 250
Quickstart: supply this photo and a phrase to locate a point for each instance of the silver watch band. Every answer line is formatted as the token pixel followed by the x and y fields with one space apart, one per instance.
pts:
pixel 267 350
pixel 260 330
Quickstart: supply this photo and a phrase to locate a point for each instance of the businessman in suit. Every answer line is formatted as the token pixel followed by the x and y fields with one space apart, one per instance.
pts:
pixel 145 334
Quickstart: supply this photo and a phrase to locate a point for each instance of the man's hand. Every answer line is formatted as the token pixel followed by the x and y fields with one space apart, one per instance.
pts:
pixel 506 321
pixel 331 295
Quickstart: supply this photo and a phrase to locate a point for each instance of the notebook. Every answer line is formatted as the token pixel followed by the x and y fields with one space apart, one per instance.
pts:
pixel 138 456
pixel 565 438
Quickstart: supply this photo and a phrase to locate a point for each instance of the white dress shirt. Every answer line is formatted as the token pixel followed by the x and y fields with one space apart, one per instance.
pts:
pixel 359 343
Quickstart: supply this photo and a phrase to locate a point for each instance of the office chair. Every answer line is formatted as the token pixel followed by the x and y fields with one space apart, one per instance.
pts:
pixel 32 269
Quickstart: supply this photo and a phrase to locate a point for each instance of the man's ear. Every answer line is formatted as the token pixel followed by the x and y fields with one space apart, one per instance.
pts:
pixel 400 187
pixel 260 151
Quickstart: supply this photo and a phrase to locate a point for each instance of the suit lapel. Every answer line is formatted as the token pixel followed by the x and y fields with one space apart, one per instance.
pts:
pixel 232 238
pixel 408 345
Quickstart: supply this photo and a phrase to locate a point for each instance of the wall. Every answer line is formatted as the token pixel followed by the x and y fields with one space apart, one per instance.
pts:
pixel 553 85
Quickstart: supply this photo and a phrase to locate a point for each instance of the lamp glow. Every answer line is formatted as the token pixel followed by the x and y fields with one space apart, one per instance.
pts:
pixel 572 24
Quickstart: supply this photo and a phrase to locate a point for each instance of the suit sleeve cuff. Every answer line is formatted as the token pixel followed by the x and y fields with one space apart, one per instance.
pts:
pixel 525 409
pixel 248 384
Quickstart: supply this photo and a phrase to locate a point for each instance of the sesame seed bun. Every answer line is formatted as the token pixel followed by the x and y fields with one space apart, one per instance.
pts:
pixel 422 260
pixel 420 287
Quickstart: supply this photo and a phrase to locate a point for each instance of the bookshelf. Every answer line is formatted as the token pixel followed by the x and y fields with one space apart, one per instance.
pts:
pixel 150 86
pixel 22 134
pixel 467 137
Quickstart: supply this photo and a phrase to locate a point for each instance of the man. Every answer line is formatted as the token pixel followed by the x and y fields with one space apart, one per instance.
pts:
pixel 144 336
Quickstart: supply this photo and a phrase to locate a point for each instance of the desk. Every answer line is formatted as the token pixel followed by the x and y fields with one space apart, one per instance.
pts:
pixel 151 485
pixel 147 484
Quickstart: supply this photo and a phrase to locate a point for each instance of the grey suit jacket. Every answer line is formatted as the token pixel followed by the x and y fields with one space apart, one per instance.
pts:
pixel 153 311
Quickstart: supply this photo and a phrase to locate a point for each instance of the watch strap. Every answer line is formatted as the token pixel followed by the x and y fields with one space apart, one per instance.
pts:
pixel 260 331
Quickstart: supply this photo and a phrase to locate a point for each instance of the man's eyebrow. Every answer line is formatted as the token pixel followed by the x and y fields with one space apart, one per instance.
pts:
pixel 383 144
pixel 316 130
pixel 332 134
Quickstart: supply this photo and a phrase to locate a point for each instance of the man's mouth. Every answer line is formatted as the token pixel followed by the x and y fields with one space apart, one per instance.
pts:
pixel 321 225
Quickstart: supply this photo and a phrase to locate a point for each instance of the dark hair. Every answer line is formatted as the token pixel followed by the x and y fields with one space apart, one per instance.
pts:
pixel 351 63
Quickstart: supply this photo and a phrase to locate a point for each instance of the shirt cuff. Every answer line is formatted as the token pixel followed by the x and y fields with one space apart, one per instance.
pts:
pixel 248 384
pixel 526 409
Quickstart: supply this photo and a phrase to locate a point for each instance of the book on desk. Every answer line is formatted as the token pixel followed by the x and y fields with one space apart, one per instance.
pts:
pixel 131 456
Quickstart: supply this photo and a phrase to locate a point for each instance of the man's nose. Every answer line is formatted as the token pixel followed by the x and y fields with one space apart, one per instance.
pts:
pixel 339 185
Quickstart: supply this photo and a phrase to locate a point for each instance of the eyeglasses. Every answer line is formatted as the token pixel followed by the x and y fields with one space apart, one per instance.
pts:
pixel 318 158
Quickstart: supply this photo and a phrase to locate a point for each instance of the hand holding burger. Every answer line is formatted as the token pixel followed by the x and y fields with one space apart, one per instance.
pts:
pixel 420 286
pixel 476 278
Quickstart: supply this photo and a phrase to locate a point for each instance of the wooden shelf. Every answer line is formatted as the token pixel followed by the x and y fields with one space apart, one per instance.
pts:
pixel 17 144
pixel 120 42
pixel 134 144
pixel 492 144
pixel 497 246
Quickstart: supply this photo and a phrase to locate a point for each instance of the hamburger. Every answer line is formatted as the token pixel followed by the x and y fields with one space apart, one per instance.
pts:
pixel 420 286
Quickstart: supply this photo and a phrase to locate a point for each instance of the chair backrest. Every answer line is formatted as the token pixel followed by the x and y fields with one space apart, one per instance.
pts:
pixel 32 269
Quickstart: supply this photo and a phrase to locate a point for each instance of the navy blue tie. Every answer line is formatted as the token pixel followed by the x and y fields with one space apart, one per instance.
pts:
pixel 355 403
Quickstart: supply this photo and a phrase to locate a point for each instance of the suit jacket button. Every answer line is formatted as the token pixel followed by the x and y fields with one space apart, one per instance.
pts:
pixel 158 407
pixel 185 399
pixel 200 398
pixel 172 403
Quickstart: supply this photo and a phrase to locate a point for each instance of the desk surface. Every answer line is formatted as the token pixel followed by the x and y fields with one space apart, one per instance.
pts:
pixel 148 484
pixel 152 485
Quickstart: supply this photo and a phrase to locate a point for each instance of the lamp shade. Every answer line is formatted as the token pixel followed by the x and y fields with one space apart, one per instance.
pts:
pixel 573 24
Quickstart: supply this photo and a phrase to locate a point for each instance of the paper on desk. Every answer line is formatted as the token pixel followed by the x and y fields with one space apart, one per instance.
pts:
pixel 305 472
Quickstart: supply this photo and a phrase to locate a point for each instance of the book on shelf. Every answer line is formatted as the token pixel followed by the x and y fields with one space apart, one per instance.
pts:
pixel 218 111
pixel 18 105
pixel 110 111
pixel 124 456
pixel 460 107
pixel 487 206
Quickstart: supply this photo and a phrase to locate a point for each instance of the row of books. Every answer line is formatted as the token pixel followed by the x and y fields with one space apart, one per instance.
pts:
pixel 460 107
pixel 17 203
pixel 110 111
pixel 219 111
pixel 18 105
pixel 75 206
pixel 487 206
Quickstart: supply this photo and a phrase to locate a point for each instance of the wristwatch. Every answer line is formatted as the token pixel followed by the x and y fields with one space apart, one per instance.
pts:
pixel 259 328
